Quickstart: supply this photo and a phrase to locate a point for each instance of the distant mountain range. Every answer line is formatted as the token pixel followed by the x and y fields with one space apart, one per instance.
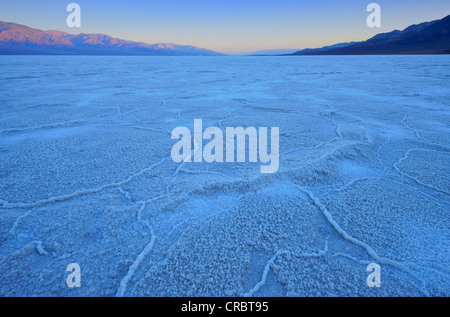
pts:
pixel 17 39
pixel 294 51
pixel 425 38
pixel 274 52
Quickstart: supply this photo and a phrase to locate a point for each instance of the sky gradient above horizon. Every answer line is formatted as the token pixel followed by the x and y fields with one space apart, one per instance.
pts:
pixel 232 26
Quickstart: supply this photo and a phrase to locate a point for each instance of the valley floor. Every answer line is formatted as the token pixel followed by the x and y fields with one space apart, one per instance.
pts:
pixel 86 176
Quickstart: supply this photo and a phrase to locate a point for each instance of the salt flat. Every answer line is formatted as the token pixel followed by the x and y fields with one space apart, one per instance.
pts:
pixel 86 176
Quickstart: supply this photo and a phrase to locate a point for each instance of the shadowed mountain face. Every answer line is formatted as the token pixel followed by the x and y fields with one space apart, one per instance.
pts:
pixel 20 39
pixel 425 38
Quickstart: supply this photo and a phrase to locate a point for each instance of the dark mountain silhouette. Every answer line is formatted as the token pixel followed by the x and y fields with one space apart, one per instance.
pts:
pixel 23 40
pixel 424 38
pixel 325 48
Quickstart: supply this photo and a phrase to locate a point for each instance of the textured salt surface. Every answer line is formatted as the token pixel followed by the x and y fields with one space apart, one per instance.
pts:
pixel 86 177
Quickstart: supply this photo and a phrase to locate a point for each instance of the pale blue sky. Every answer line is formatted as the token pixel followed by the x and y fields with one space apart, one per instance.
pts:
pixel 229 26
